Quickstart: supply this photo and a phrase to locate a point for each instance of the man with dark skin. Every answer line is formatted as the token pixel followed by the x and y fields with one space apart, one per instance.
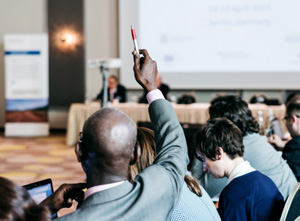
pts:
pixel 106 150
pixel 110 150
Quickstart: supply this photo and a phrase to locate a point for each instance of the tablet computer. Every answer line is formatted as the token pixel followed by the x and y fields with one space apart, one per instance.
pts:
pixel 40 190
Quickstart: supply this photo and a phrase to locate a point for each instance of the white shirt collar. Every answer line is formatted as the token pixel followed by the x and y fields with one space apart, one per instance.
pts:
pixel 240 170
pixel 95 189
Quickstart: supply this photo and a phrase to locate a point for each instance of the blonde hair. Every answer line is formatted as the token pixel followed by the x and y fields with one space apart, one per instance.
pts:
pixel 146 142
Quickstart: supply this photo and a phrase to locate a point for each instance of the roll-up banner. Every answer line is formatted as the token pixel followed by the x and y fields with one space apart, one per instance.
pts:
pixel 26 84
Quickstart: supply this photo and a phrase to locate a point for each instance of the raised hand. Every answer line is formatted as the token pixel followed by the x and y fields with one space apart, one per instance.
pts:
pixel 145 70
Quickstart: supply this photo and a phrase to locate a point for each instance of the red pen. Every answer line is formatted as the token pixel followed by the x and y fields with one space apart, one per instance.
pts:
pixel 136 48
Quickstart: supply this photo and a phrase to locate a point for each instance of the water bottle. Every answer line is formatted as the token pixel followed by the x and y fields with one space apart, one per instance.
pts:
pixel 270 130
pixel 260 121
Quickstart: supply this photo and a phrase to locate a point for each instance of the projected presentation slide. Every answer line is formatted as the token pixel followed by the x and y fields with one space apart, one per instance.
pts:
pixel 221 36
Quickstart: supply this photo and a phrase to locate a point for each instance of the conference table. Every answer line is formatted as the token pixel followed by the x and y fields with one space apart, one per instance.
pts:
pixel 196 113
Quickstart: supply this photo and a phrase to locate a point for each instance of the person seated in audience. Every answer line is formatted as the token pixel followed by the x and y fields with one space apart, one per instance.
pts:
pixel 292 98
pixel 164 88
pixel 106 150
pixel 187 98
pixel 291 149
pixel 262 99
pixel 261 155
pixel 194 202
pixel 16 204
pixel 258 99
pixel 115 91
pixel 248 195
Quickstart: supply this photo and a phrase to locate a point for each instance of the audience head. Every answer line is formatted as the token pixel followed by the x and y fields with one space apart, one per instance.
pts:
pixel 146 143
pixel 292 98
pixel 187 98
pixel 219 137
pixel 292 118
pixel 235 109
pixel 113 82
pixel 16 204
pixel 258 98
pixel 107 145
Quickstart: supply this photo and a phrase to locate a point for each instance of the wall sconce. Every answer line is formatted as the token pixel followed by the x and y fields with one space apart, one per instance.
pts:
pixel 63 38
pixel 67 39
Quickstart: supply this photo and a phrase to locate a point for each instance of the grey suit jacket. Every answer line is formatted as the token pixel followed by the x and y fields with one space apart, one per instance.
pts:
pixel 156 190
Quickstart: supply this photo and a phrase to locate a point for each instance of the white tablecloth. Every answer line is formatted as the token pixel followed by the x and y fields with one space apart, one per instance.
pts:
pixel 192 113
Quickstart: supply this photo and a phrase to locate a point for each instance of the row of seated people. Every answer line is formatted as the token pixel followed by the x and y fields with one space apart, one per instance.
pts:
pixel 118 92
pixel 228 147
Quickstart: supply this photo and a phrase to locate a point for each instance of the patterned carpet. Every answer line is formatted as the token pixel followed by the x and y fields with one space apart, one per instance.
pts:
pixel 26 160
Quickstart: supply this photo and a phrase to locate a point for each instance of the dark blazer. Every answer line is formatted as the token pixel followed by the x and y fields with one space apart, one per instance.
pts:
pixel 120 94
pixel 291 153
pixel 156 190
pixel 164 90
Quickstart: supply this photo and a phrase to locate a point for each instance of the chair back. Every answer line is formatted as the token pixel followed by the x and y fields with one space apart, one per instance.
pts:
pixel 291 210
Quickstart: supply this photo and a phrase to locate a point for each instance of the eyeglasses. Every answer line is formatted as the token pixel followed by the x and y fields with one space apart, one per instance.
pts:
pixel 80 137
pixel 290 116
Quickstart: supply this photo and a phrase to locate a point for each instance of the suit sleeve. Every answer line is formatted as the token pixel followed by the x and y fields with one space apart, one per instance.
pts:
pixel 170 141
pixel 99 95
pixel 124 95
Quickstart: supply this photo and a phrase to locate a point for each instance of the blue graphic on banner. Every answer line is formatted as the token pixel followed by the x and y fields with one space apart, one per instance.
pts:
pixel 22 53
pixel 26 104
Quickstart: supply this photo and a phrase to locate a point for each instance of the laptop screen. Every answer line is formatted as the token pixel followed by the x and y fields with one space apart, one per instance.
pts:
pixel 40 190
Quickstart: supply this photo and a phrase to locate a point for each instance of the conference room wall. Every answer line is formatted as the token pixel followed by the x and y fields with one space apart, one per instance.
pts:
pixel 101 41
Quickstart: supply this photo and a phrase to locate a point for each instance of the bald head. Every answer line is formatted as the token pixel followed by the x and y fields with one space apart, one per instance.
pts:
pixel 108 141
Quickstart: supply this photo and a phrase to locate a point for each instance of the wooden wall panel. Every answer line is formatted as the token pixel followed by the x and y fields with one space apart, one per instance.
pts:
pixel 66 49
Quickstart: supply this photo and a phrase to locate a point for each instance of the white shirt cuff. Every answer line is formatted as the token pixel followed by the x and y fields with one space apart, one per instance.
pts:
pixel 154 95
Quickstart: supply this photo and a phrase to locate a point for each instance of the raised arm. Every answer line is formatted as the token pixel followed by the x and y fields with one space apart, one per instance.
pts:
pixel 145 70
pixel 170 140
